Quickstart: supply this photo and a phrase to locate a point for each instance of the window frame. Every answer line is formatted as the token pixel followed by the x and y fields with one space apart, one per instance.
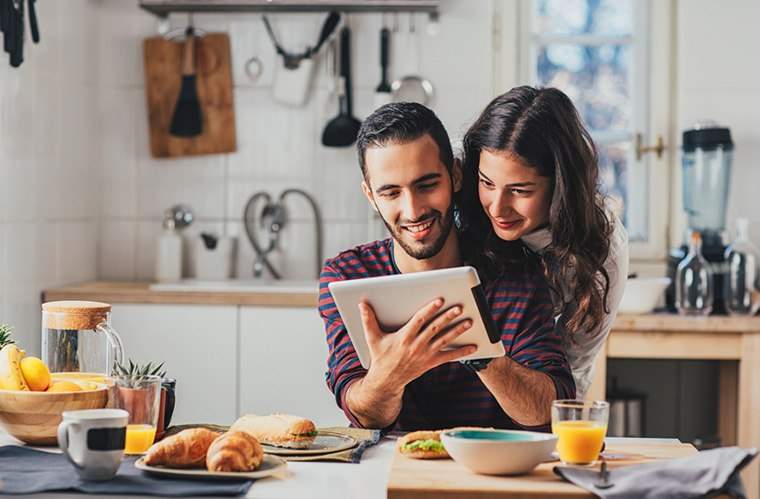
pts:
pixel 512 28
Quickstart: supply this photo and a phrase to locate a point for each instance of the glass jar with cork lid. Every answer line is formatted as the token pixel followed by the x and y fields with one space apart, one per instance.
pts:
pixel 77 339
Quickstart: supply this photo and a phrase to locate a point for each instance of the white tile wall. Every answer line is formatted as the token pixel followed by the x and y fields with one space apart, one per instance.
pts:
pixel 716 80
pixel 49 190
pixel 278 146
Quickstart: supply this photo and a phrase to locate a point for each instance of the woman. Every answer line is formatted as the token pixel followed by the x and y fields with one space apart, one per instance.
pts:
pixel 531 175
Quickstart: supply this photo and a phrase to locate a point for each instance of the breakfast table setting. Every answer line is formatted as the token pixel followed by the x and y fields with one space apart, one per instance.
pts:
pixel 99 425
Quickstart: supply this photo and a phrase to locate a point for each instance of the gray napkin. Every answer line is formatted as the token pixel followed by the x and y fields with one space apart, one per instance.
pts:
pixel 706 472
pixel 28 471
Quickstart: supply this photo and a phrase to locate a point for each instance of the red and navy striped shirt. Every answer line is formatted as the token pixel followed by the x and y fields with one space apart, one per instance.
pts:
pixel 449 395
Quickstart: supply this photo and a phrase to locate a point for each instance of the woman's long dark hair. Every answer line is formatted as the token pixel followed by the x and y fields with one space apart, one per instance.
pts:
pixel 542 128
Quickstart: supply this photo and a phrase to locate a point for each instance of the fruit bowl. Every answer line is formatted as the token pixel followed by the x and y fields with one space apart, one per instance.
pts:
pixel 33 417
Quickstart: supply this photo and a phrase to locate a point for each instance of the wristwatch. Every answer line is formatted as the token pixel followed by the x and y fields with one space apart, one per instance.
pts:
pixel 475 365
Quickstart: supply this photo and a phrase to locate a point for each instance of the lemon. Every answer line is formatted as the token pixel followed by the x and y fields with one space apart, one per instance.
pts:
pixel 64 386
pixel 36 374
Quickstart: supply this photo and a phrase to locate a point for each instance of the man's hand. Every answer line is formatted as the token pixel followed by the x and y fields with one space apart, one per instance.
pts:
pixel 401 357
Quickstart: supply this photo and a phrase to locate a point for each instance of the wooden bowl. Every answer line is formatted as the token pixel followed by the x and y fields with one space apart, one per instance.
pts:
pixel 33 417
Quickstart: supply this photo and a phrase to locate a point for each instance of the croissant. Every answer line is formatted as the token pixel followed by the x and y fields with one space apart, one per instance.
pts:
pixel 234 451
pixel 186 449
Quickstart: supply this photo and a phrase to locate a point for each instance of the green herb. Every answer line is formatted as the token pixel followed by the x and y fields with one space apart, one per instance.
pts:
pixel 309 434
pixel 430 445
pixel 5 335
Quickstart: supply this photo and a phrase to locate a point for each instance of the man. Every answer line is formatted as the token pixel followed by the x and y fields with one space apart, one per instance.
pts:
pixel 410 178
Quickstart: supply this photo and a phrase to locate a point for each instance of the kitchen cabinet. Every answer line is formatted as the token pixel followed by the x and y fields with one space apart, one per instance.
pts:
pixel 198 344
pixel 283 359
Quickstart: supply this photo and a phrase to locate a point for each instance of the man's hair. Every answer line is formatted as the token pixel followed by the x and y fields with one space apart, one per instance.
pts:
pixel 399 123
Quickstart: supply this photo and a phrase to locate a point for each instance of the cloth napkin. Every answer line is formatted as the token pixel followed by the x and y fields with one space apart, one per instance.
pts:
pixel 365 439
pixel 29 471
pixel 707 472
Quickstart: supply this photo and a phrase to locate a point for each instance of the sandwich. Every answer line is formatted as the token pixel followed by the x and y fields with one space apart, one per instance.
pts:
pixel 422 445
pixel 280 430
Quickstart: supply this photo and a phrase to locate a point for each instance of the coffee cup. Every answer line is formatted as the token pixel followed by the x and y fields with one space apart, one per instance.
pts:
pixel 93 441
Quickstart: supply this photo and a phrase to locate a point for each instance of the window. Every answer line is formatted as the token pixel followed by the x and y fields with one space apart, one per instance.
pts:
pixel 597 52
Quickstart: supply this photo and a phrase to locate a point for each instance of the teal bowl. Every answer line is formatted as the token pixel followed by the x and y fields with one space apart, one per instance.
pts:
pixel 498 452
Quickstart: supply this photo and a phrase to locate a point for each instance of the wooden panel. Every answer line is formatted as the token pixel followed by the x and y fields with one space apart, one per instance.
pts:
pixel 673 322
pixel 672 345
pixel 422 479
pixel 163 76
pixel 728 386
pixel 139 292
pixel 749 409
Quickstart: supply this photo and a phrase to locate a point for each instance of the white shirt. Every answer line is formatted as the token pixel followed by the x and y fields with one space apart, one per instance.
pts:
pixel 582 349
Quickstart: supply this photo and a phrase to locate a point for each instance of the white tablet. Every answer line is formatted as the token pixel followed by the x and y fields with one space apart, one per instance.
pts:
pixel 396 298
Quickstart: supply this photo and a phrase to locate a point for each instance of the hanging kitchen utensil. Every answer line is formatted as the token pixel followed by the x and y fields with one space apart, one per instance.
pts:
pixel 293 78
pixel 162 61
pixel 187 120
pixel 412 87
pixel 383 90
pixel 342 130
pixel 33 26
pixel 12 27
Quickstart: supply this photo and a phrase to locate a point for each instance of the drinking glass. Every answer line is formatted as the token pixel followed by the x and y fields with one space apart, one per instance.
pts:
pixel 580 426
pixel 140 396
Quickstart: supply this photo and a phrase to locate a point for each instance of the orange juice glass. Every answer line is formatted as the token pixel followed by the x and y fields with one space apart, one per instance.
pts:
pixel 140 396
pixel 580 427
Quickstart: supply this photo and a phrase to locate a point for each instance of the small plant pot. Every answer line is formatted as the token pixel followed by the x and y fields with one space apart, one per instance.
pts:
pixel 139 400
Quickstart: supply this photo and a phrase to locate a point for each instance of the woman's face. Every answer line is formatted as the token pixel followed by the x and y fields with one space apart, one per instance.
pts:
pixel 513 195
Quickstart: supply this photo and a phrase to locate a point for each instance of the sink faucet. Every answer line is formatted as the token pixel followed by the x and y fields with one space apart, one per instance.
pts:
pixel 273 217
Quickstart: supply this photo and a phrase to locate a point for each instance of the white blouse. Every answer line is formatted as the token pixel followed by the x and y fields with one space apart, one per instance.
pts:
pixel 582 349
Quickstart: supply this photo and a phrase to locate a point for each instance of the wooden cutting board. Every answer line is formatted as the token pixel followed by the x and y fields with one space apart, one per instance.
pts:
pixel 163 76
pixel 428 479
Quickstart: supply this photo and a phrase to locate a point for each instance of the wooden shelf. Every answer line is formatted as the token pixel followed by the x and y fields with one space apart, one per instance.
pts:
pixel 163 8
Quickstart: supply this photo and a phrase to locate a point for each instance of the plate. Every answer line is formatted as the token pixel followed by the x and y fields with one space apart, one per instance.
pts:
pixel 325 443
pixel 269 466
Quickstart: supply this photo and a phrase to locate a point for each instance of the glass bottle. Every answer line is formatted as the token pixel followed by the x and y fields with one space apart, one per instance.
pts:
pixel 694 281
pixel 741 283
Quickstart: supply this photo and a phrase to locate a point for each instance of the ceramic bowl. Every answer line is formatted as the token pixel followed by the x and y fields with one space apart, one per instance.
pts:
pixel 642 294
pixel 498 452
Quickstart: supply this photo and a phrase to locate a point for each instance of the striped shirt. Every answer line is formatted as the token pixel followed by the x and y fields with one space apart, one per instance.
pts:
pixel 449 395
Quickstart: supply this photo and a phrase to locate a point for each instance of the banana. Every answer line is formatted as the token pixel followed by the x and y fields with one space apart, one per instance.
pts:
pixel 10 368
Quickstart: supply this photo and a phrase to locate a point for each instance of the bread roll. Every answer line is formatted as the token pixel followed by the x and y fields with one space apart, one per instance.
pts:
pixel 281 430
pixel 422 445
pixel 186 449
pixel 234 451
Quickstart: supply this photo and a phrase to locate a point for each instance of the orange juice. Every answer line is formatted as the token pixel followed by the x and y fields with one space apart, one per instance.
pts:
pixel 579 442
pixel 139 438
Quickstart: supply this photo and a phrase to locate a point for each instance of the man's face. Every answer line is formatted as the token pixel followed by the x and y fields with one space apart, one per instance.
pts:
pixel 411 189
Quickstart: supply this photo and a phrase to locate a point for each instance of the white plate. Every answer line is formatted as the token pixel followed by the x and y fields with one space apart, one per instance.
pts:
pixel 324 443
pixel 269 466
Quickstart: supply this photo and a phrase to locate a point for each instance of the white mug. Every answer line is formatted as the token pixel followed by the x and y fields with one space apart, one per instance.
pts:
pixel 93 440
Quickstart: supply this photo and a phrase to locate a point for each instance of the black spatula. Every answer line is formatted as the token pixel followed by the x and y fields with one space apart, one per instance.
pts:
pixel 342 130
pixel 187 120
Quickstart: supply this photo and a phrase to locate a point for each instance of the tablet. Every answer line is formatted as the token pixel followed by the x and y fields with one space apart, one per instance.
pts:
pixel 396 298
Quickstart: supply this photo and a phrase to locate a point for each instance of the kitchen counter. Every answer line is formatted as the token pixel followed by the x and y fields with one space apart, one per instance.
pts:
pixel 732 341
pixel 275 294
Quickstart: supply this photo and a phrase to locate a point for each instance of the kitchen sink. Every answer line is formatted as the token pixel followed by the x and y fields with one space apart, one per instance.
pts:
pixel 239 286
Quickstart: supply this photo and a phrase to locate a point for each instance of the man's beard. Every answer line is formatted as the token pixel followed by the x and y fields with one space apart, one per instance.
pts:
pixel 431 249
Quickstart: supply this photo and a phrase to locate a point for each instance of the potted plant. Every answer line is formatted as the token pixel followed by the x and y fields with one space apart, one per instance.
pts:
pixel 133 396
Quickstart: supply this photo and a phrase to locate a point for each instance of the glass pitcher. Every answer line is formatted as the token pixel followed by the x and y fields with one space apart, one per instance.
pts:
pixel 77 337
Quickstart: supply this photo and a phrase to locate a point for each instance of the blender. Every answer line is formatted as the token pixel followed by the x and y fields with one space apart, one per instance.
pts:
pixel 706 163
